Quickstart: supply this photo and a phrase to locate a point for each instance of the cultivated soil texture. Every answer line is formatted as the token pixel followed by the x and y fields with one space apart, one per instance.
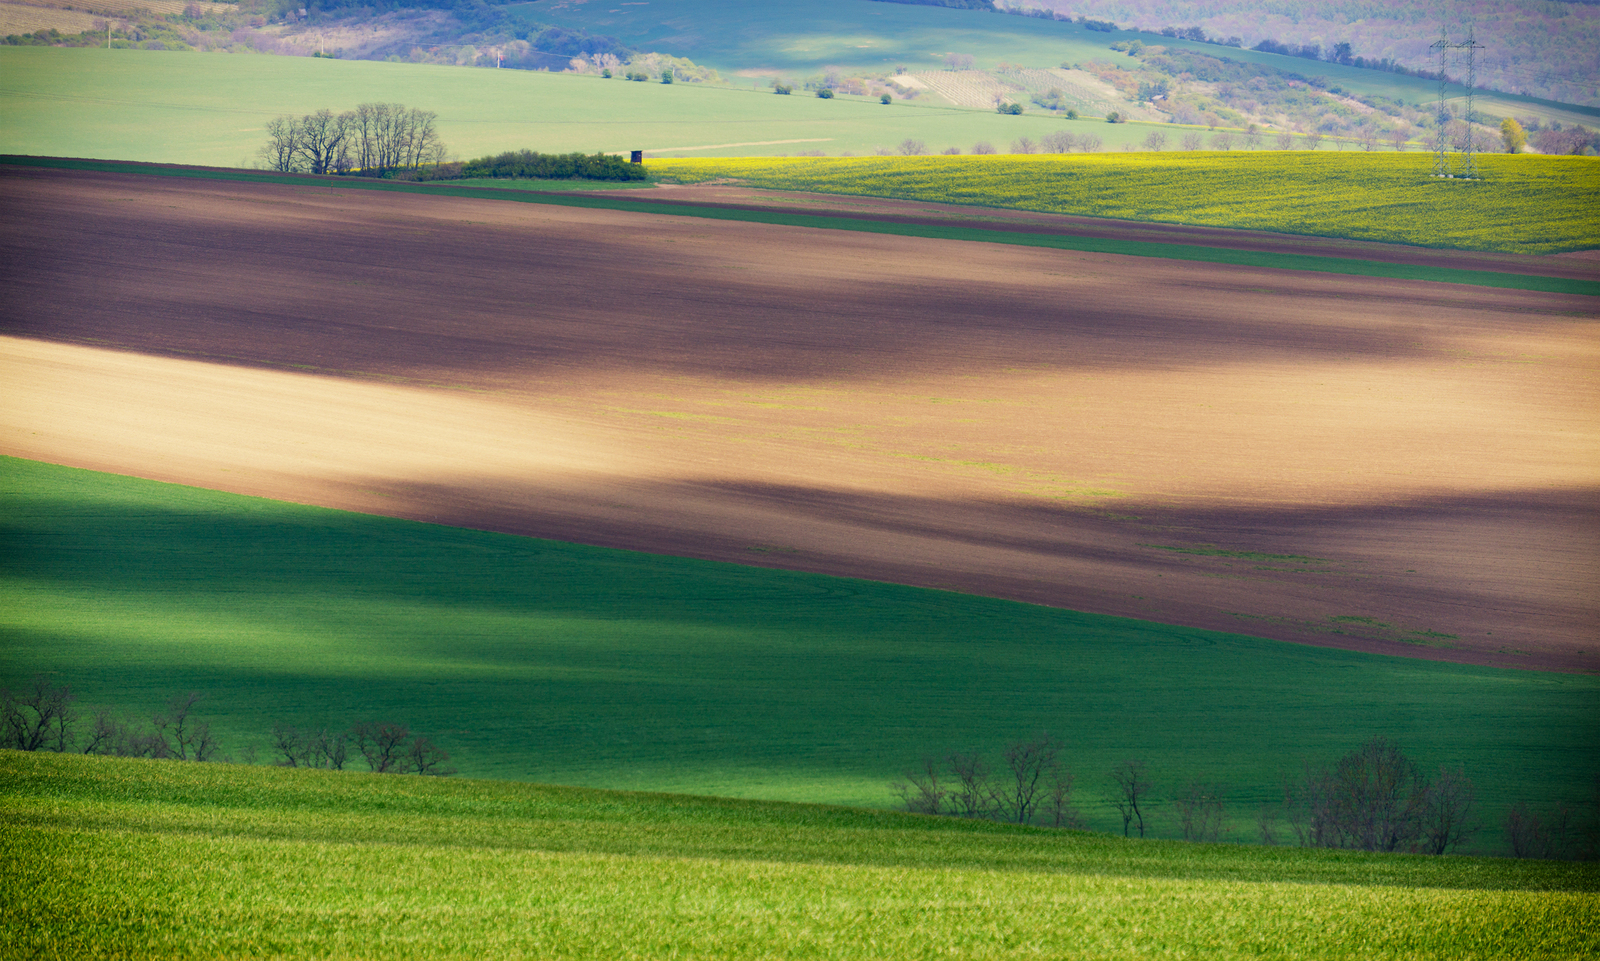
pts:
pixel 1390 465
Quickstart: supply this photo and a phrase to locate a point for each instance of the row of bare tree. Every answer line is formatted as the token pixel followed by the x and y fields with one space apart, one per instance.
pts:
pixel 45 718
pixel 387 747
pixel 1372 799
pixel 373 140
pixel 1032 787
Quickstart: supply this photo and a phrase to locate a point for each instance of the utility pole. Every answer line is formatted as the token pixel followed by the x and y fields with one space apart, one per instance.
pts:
pixel 1441 155
pixel 1471 46
pixel 1442 167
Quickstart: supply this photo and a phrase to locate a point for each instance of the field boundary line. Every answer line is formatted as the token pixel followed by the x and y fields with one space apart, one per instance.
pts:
pixel 1132 248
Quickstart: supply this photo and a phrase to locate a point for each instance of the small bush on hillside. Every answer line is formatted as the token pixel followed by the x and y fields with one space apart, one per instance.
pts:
pixel 824 94
pixel 1013 109
pixel 782 89
pixel 885 99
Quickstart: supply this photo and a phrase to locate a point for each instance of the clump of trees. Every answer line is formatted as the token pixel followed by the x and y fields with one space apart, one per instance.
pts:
pixel 45 717
pixel 1374 798
pixel 373 140
pixel 385 746
pixel 1031 786
pixel 527 163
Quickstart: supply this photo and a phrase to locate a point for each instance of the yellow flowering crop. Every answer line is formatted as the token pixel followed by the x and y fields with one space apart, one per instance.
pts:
pixel 1522 203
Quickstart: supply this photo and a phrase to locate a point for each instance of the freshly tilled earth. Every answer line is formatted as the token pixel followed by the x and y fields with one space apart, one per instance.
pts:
pixel 1387 465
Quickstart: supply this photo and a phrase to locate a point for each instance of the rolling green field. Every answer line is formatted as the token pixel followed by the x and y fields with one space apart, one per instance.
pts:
pixel 1384 197
pixel 210 109
pixel 114 858
pixel 799 40
pixel 543 661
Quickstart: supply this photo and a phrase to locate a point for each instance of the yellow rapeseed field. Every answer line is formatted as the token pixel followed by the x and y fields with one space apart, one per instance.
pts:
pixel 1521 204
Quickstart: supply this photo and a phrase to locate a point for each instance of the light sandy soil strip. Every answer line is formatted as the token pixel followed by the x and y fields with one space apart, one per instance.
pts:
pixel 1385 465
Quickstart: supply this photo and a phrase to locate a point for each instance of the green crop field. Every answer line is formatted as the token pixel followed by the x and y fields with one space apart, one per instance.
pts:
pixel 1522 204
pixel 117 858
pixel 210 108
pixel 544 661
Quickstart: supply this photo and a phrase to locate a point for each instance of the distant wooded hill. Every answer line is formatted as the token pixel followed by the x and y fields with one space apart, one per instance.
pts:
pixel 1535 47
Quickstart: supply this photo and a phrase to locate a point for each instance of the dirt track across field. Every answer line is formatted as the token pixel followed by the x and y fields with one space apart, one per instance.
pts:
pixel 1387 465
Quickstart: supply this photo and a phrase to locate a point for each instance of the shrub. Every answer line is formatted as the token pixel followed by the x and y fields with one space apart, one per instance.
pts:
pixel 1014 109
pixel 666 75
pixel 886 99
pixel 913 148
pixel 824 94
pixel 782 88
pixel 573 166
pixel 983 147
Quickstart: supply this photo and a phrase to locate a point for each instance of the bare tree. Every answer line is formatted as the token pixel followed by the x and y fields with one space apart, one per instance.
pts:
pixel 1155 141
pixel 1267 822
pixel 282 149
pixel 288 745
pixel 190 737
pixel 1447 812
pixel 382 744
pixel 1133 790
pixel 1191 140
pixel 40 719
pixel 429 759
pixel 1398 135
pixel 115 737
pixel 1058 141
pixel 1313 139
pixel 1200 811
pixel 972 796
pixel 913 148
pixel 1285 140
pixel 322 144
pixel 983 147
pixel 1024 145
pixel 1089 143
pixel 1058 801
pixel 1539 835
pixel 1373 799
pixel 1222 140
pixel 921 791
pixel 1031 765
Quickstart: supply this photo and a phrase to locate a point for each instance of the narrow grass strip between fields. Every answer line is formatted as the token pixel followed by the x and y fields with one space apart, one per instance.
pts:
pixel 1131 248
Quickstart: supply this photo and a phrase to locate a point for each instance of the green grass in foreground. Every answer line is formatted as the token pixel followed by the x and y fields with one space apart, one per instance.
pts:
pixel 111 858
pixel 1523 204
pixel 539 660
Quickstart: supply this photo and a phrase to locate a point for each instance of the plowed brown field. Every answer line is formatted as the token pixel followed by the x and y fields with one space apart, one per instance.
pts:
pixel 1389 465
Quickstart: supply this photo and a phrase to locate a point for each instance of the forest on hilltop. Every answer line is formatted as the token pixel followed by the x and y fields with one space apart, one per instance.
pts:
pixel 1543 48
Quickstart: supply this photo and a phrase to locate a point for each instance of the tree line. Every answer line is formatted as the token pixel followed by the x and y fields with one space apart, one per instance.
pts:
pixel 1374 798
pixel 373 140
pixel 46 717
